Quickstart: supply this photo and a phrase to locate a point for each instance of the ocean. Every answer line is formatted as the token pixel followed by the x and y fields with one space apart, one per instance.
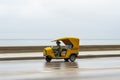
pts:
pixel 47 42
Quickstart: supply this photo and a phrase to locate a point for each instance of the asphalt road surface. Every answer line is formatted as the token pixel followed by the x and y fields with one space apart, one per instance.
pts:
pixel 81 69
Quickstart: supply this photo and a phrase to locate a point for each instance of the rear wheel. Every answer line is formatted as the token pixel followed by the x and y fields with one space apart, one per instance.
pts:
pixel 48 59
pixel 72 58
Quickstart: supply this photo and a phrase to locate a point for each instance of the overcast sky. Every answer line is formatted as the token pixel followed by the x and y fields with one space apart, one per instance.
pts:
pixel 47 19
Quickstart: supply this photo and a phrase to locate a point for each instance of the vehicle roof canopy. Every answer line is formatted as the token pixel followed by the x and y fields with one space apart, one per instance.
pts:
pixel 70 40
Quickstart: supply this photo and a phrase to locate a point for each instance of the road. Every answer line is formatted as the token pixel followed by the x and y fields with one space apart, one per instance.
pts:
pixel 81 69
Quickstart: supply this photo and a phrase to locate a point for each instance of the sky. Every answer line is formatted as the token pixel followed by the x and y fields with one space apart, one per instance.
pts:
pixel 47 19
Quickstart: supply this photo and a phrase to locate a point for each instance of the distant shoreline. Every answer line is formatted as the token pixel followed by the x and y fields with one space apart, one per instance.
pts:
pixel 25 49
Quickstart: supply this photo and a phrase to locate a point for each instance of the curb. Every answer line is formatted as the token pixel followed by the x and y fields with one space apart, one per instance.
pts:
pixel 21 58
pixel 37 58
pixel 98 56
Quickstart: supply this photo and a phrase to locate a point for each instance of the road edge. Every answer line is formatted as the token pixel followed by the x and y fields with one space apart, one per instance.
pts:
pixel 38 58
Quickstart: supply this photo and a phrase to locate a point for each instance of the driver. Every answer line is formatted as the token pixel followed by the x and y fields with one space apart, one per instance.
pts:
pixel 58 48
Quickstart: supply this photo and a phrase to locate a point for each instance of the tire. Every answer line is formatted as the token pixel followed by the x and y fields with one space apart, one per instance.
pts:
pixel 66 60
pixel 72 58
pixel 48 59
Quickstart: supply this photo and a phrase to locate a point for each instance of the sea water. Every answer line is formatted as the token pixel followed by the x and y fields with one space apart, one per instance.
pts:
pixel 47 42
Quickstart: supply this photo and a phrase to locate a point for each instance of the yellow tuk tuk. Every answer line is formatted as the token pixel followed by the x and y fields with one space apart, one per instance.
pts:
pixel 68 52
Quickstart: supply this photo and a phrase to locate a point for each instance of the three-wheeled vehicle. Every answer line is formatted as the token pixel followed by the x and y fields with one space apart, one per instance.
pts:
pixel 68 52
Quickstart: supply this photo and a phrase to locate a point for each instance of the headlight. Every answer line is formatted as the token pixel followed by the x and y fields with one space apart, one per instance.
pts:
pixel 44 52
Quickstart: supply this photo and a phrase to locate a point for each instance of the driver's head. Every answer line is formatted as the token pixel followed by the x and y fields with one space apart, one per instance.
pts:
pixel 58 42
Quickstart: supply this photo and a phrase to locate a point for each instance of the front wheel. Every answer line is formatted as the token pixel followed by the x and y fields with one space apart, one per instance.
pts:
pixel 72 58
pixel 48 59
